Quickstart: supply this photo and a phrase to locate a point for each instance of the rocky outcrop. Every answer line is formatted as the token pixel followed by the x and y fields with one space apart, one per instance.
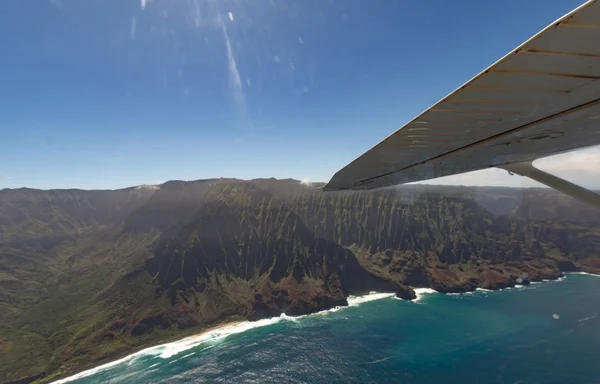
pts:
pixel 590 265
pixel 405 293
pixel 463 285
pixel 280 301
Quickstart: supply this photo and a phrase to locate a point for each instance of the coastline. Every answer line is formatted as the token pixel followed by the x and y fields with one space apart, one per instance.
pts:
pixel 142 350
pixel 210 329
pixel 222 330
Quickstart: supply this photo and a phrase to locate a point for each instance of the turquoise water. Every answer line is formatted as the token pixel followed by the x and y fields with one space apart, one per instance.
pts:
pixel 543 333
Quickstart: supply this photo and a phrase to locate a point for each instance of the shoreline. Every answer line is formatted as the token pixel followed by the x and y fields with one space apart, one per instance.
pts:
pixel 211 329
pixel 220 331
pixel 143 350
pixel 178 345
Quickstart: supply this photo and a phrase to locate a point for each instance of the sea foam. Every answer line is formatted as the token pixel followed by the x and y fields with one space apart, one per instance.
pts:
pixel 354 301
pixel 177 347
pixel 104 367
pixel 583 273
pixel 421 292
pixel 168 350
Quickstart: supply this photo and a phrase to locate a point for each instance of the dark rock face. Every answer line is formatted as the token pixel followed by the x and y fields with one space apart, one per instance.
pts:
pixel 405 293
pixel 232 242
pixel 568 266
pixel 459 287
pixel 151 323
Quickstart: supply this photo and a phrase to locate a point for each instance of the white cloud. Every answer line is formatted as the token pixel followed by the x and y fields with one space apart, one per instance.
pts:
pixel 582 161
pixel 230 16
pixel 581 167
pixel 143 3
pixel 146 186
pixel 488 177
pixel 306 181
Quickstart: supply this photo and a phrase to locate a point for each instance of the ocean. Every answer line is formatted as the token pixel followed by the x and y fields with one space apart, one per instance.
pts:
pixel 543 333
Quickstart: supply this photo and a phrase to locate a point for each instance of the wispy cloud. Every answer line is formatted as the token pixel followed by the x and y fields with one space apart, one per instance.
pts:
pixel 147 186
pixel 207 14
pixel 196 12
pixel 132 28
pixel 234 74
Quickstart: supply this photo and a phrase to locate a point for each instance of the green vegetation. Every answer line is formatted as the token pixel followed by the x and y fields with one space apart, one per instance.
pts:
pixel 87 276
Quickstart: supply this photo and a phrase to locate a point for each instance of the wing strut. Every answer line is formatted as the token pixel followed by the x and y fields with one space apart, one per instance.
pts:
pixel 575 191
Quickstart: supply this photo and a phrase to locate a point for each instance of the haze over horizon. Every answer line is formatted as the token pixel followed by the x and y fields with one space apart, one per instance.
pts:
pixel 112 94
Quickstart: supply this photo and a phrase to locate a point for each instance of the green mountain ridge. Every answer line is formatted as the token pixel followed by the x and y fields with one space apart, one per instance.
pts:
pixel 87 276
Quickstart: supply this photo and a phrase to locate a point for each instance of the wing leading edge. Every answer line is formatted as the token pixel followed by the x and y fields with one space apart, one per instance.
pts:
pixel 541 99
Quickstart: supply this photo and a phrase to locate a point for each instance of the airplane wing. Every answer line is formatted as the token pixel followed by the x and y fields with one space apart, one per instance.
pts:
pixel 541 99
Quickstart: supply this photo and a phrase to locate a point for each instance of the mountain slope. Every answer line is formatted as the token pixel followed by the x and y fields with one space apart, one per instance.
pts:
pixel 86 276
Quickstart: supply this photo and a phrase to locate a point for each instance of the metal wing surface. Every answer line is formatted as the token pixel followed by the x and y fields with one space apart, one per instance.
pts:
pixel 540 99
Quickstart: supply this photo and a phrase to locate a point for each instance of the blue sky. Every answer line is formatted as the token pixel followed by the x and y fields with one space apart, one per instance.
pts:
pixel 114 93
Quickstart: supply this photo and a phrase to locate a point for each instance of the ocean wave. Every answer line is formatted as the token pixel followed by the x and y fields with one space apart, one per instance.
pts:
pixel 460 293
pixel 177 347
pixel 104 367
pixel 354 301
pixel 588 318
pixel 320 313
pixel 583 273
pixel 283 316
pixel 421 292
